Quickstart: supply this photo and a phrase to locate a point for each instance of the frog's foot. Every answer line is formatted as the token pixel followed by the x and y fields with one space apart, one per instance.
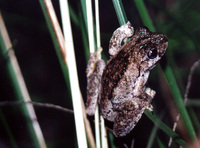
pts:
pixel 150 95
pixel 118 36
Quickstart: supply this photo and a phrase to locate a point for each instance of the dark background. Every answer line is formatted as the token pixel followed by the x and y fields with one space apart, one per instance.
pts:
pixel 29 34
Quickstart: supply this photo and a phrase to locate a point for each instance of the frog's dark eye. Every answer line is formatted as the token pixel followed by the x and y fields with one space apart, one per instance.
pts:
pixel 152 53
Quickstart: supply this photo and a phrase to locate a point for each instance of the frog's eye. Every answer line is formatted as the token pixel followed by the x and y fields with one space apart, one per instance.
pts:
pixel 152 53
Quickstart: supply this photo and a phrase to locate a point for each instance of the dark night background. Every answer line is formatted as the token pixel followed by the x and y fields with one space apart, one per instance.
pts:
pixel 39 64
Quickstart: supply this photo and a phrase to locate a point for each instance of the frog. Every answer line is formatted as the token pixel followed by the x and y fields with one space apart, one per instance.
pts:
pixel 119 86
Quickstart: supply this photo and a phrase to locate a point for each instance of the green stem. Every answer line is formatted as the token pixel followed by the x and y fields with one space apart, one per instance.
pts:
pixel 144 15
pixel 121 15
pixel 55 43
pixel 165 128
pixel 179 102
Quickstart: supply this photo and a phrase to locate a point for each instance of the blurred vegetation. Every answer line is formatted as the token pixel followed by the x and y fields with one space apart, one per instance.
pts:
pixel 179 20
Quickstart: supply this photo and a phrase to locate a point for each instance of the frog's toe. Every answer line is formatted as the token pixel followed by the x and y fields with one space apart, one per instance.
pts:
pixel 150 92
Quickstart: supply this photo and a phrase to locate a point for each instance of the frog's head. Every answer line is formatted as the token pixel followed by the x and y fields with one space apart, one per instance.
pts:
pixel 152 47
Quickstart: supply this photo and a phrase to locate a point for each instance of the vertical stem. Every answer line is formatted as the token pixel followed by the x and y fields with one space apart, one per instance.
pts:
pixel 119 9
pixel 144 14
pixel 20 88
pixel 179 102
pixel 97 127
pixel 90 26
pixel 103 133
pixel 73 75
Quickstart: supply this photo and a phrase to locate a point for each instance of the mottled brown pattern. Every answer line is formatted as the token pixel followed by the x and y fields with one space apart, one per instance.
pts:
pixel 94 73
pixel 123 96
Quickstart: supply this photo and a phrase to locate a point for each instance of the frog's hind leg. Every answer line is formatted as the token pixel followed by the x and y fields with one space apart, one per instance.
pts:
pixel 128 117
pixel 107 111
pixel 125 122
pixel 94 72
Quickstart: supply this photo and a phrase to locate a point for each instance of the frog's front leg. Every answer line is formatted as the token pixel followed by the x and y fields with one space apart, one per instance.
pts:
pixel 123 32
pixel 94 72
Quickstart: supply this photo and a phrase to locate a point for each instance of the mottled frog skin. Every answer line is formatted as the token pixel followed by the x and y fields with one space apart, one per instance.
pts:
pixel 119 85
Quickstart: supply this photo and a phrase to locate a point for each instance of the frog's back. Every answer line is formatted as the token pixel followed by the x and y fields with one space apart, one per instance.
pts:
pixel 112 74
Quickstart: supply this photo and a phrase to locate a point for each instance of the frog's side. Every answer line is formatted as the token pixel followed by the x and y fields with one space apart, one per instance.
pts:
pixel 120 84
